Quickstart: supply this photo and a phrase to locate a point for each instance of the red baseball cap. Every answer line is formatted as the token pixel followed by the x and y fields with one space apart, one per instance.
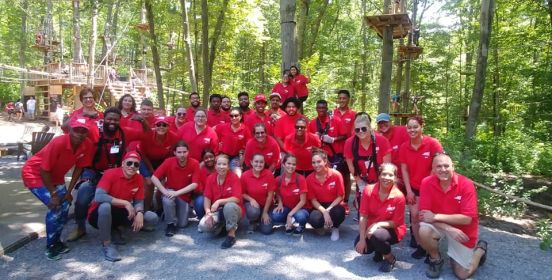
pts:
pixel 161 120
pixel 260 97
pixel 132 154
pixel 79 122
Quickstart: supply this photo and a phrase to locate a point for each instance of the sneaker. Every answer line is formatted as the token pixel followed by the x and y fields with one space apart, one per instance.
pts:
pixel 170 230
pixel 61 248
pixel 434 269
pixel 52 253
pixel 377 257
pixel 117 237
pixel 335 234
pixel 419 253
pixel 228 242
pixel 251 228
pixel 298 231
pixel 76 235
pixel 289 231
pixel 110 253
pixel 387 266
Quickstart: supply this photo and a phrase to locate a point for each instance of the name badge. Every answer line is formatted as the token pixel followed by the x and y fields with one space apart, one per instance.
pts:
pixel 114 149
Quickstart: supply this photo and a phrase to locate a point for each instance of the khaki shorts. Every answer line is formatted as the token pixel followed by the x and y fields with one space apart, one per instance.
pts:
pixel 455 250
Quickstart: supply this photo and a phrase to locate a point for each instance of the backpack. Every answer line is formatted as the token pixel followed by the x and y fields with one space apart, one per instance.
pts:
pixel 372 158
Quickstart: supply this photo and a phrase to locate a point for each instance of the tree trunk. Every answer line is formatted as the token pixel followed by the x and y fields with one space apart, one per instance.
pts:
pixel 262 63
pixel 48 31
pixel 364 57
pixel 77 46
pixel 316 27
pixel 196 29
pixel 302 17
pixel 215 38
pixel 188 49
pixel 114 28
pixel 480 72
pixel 287 33
pixel 155 54
pixel 92 47
pixel 205 48
pixel 408 70
pixel 106 45
pixel 496 84
pixel 386 64
pixel 23 45
pixel 143 64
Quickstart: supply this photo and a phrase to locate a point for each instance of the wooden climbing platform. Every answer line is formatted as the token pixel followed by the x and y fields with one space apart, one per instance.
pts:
pixel 410 52
pixel 400 22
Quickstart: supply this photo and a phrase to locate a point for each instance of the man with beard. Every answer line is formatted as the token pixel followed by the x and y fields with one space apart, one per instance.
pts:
pixel 243 100
pixel 215 115
pixel 112 144
pixel 286 125
pixel 195 102
pixel 226 104
pixel 259 116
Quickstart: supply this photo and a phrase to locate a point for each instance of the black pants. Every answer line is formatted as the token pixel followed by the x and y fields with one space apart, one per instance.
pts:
pixel 337 213
pixel 119 217
pixel 380 241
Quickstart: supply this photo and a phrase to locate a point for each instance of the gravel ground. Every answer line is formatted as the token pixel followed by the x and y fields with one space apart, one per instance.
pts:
pixel 255 256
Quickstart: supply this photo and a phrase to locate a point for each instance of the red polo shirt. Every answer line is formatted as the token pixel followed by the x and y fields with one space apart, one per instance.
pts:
pixel 178 177
pixel 396 135
pixel 172 124
pixel 203 174
pixel 390 209
pixel 285 91
pixel 335 128
pixel 115 184
pixel 459 198
pixel 57 158
pixel 217 118
pixel 254 119
pixel 328 191
pixel 286 126
pixel 300 82
pixel 419 161
pixel 93 130
pixel 291 192
pixel 190 114
pixel 347 119
pixel 125 120
pixel 382 149
pixel 302 151
pixel 158 150
pixel 270 150
pixel 230 141
pixel 231 187
pixel 207 138
pixel 258 188
pixel 109 158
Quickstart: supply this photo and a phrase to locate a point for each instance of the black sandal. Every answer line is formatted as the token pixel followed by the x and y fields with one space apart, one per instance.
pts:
pixel 482 244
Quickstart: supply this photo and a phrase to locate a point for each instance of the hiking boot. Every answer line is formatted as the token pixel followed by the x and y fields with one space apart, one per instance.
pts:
pixel 377 257
pixel 251 228
pixel 170 230
pixel 419 253
pixel 387 266
pixel 117 237
pixel 52 253
pixel 61 248
pixel 434 269
pixel 335 234
pixel 76 235
pixel 228 242
pixel 298 231
pixel 110 253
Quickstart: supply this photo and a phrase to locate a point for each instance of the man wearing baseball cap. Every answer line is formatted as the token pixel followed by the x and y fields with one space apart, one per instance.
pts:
pixel 44 176
pixel 259 116
pixel 119 201
pixel 394 133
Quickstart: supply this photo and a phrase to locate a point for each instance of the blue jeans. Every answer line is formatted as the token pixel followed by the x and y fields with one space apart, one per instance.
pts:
pixel 301 216
pixel 85 195
pixel 198 205
pixel 55 218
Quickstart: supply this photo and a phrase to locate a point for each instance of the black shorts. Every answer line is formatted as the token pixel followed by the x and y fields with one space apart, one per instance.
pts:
pixel 119 217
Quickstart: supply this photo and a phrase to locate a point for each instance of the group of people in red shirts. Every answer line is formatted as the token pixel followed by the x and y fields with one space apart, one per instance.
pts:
pixel 271 166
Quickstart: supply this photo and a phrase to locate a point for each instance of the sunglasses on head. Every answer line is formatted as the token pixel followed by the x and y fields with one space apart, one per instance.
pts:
pixel 136 164
pixel 359 129
pixel 161 125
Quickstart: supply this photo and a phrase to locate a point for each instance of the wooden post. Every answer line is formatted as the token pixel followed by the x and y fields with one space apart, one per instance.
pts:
pixel 287 33
pixel 386 63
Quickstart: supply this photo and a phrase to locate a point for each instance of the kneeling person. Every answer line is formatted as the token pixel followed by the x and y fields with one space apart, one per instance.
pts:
pixel 119 201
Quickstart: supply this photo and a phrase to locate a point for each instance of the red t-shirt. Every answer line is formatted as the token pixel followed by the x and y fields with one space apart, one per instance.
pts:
pixel 390 209
pixel 258 188
pixel 207 138
pixel 285 91
pixel 231 187
pixel 460 198
pixel 396 135
pixel 217 118
pixel 254 119
pixel 115 184
pixel 328 191
pixel 57 158
pixel 232 142
pixel 303 152
pixel 109 154
pixel 158 150
pixel 347 119
pixel 335 128
pixel 291 192
pixel 270 150
pixel 93 124
pixel 286 126
pixel 178 177
pixel 382 149
pixel 300 82
pixel 203 174
pixel 419 161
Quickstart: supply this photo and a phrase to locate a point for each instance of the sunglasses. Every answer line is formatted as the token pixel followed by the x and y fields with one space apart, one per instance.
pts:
pixel 136 164
pixel 359 129
pixel 161 125
pixel 300 127
pixel 260 133
pixel 181 114
pixel 235 116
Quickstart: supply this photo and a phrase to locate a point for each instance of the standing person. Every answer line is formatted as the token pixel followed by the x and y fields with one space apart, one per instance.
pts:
pixel 232 139
pixel 395 134
pixel 286 124
pixel 119 201
pixel 301 144
pixel 448 209
pixel 195 102
pixel 60 114
pixel 415 157
pixel 259 116
pixel 215 116
pixel 347 117
pixel 381 218
pixel 226 104
pixel 127 105
pixel 275 111
pixel 206 169
pixel 31 106
pixel 44 176
pixel 265 145
pixel 299 82
pixel 325 193
pixel 223 205
pixel 88 111
pixel 18 109
pixel 198 135
pixel 293 205
pixel 176 178
pixel 10 109
pixel 178 120
pixel 243 101
pixel 258 186
pixel 285 88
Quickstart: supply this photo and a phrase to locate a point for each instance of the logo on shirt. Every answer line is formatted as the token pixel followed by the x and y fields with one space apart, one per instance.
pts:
pixel 229 189
pixel 390 208
pixel 207 140
pixel 458 198
pixel 377 148
pixel 264 186
pixel 295 191
pixel 396 147
pixel 347 120
pixel 425 155
pixel 80 156
pixel 240 136
pixel 331 185
pixel 269 154
pixel 134 191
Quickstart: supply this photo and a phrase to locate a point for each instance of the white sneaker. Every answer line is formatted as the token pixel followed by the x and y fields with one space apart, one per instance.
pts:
pixel 335 234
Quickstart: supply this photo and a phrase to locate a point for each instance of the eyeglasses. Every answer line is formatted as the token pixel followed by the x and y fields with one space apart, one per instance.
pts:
pixel 161 125
pixel 200 117
pixel 300 127
pixel 136 164
pixel 359 129
pixel 235 116
pixel 181 114
pixel 260 133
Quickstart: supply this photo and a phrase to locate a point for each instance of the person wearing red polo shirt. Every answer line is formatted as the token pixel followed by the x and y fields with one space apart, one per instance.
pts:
pixel 178 120
pixel 285 88
pixel 415 158
pixel 223 202
pixel 293 205
pixel 326 192
pixel 395 134
pixel 448 209
pixel 243 102
pixel 259 116
pixel 207 168
pixel 119 201
pixel 347 117
pixel 215 116
pixel 275 112
pixel 127 105
pixel 44 175
pixel 286 124
pixel 258 186
pixel 301 144
pixel 232 139
pixel 176 179
pixel 195 102
pixel 381 218
pixel 299 82
pixel 88 111
pixel 265 145
pixel 226 104
pixel 198 135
